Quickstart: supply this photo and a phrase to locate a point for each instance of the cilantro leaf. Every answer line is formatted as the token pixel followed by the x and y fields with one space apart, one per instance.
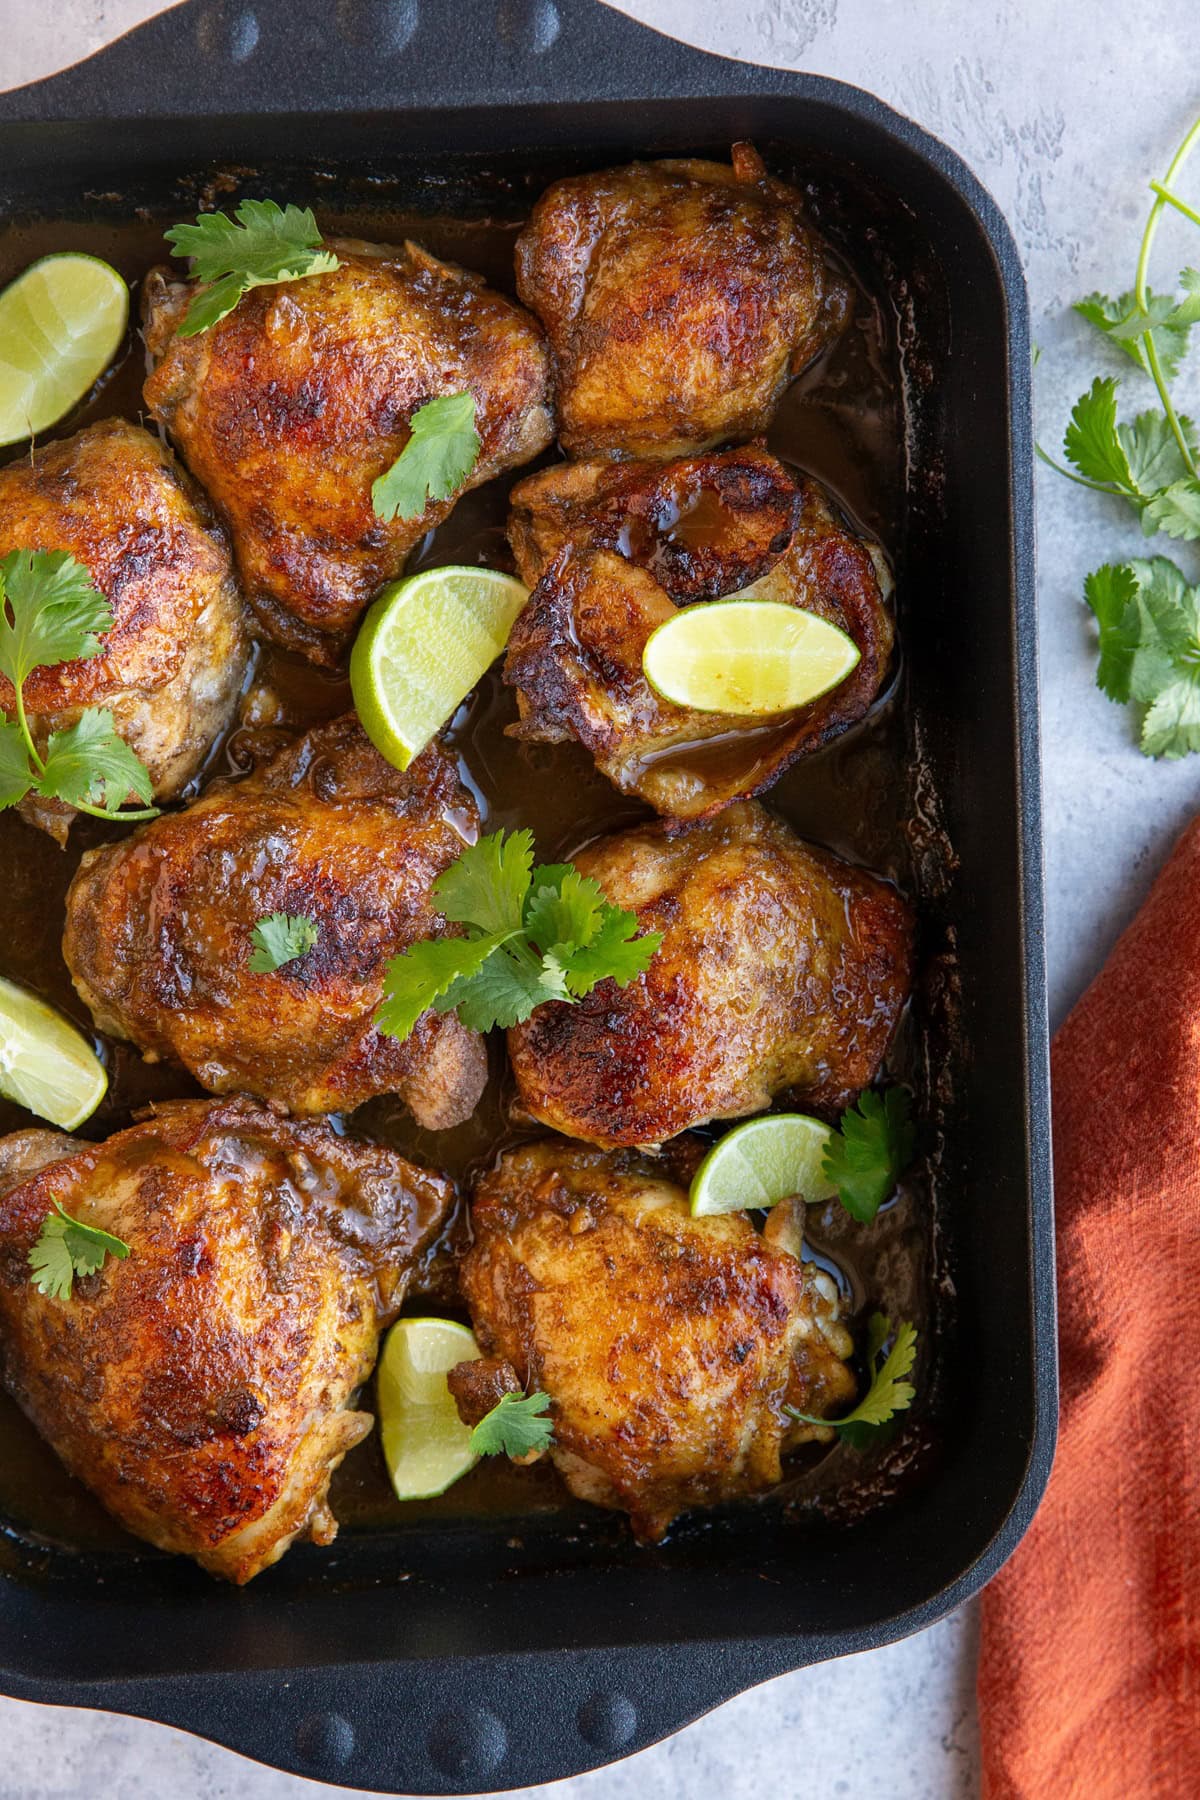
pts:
pixel 66 1247
pixel 16 776
pixel 505 990
pixel 423 975
pixel 1124 323
pixel 280 939
pixel 1152 452
pixel 516 1425
pixel 888 1393
pixel 50 612
pixel 262 244
pixel 1111 591
pixel 89 765
pixel 870 1150
pixel 533 934
pixel 1091 442
pixel 1176 510
pixel 485 887
pixel 435 462
pixel 1149 620
pixel 615 953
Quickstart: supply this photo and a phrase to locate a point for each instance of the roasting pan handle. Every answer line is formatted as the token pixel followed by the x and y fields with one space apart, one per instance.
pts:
pixel 209 58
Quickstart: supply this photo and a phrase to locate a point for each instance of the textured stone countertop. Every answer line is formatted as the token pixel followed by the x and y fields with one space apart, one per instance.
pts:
pixel 1063 118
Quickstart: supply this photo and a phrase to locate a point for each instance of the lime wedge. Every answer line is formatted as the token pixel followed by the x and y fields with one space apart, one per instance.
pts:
pixel 746 656
pixel 61 323
pixel 425 1444
pixel 45 1064
pixel 761 1163
pixel 424 644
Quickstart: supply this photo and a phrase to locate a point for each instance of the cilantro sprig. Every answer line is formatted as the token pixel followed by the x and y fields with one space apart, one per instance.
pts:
pixel 51 612
pixel 262 245
pixel 516 1425
pixel 281 939
pixel 66 1247
pixel 870 1150
pixel 1149 628
pixel 1146 612
pixel 889 1392
pixel 434 463
pixel 532 935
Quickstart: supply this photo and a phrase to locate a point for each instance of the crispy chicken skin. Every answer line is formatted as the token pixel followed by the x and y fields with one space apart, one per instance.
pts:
pixel 158 933
pixel 290 407
pixel 173 663
pixel 782 971
pixel 668 1345
pixel 611 550
pixel 680 298
pixel 202 1387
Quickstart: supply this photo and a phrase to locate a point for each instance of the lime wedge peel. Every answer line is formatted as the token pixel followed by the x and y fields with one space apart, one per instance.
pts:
pixel 744 656
pixel 61 324
pixel 45 1064
pixel 424 644
pixel 426 1446
pixel 760 1163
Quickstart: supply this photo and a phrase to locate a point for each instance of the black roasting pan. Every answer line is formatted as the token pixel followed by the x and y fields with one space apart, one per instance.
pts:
pixel 460 1653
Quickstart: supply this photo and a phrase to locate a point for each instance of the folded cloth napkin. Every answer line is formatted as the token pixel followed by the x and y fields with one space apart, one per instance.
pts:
pixel 1089 1678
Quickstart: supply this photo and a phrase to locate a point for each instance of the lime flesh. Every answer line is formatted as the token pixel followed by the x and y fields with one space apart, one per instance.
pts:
pixel 746 657
pixel 45 1064
pixel 761 1163
pixel 424 644
pixel 61 323
pixel 425 1444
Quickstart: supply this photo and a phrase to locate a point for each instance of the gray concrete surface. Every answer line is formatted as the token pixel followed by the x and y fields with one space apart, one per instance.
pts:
pixel 1064 108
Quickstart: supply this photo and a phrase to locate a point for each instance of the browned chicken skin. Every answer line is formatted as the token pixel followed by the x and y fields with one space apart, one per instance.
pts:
pixel 610 551
pixel 173 663
pixel 669 1346
pixel 202 1387
pixel 290 407
pixel 158 935
pixel 680 298
pixel 782 970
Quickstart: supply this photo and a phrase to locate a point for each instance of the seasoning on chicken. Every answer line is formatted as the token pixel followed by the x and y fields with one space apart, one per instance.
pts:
pixel 669 1346
pixel 612 550
pixel 158 934
pixel 202 1387
pixel 782 971
pixel 173 663
pixel 680 298
pixel 292 405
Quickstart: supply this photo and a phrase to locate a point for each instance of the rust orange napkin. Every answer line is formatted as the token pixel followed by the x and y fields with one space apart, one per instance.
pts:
pixel 1089 1679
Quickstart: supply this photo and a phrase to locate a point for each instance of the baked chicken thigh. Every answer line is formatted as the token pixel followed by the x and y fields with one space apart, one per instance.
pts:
pixel 611 550
pixel 680 298
pixel 173 664
pixel 158 933
pixel 290 407
pixel 782 970
pixel 203 1386
pixel 669 1346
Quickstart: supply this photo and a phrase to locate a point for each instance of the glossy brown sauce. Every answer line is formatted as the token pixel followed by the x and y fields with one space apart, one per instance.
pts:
pixel 841 422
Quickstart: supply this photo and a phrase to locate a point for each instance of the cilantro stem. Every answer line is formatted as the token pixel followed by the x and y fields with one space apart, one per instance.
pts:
pixel 1099 487
pixel 98 812
pixel 1164 193
pixel 23 722
pixel 1161 200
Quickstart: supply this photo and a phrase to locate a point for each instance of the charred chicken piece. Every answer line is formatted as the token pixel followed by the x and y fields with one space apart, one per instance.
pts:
pixel 203 1386
pixel 680 298
pixel 173 664
pixel 611 550
pixel 669 1346
pixel 782 971
pixel 290 407
pixel 158 934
